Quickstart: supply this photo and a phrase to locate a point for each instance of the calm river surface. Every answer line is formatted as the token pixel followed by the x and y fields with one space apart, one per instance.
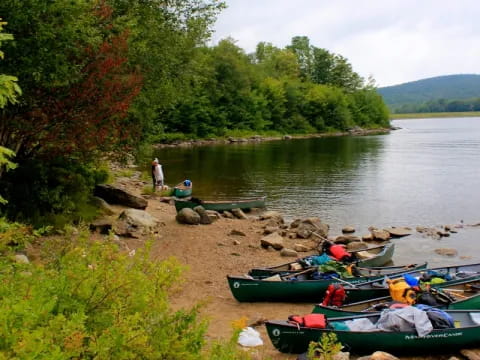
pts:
pixel 427 173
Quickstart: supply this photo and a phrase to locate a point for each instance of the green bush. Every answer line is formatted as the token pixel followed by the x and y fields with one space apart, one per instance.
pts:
pixel 51 193
pixel 89 301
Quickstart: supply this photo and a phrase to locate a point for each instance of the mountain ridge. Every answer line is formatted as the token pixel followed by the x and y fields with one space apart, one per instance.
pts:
pixel 451 87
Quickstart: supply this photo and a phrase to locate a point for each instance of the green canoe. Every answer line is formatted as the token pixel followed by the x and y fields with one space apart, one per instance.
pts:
pixel 466 295
pixel 221 205
pixel 182 191
pixel 289 338
pixel 375 289
pixel 374 257
pixel 250 289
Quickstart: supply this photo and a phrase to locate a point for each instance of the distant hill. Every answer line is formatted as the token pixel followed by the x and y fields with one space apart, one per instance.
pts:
pixel 449 87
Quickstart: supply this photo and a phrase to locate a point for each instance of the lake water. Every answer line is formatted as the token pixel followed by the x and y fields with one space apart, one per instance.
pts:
pixel 425 174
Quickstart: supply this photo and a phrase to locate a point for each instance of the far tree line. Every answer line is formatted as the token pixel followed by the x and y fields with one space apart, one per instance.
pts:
pixel 440 105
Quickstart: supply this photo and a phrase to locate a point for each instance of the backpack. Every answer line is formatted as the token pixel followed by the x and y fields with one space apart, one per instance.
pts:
pixel 401 291
pixel 334 296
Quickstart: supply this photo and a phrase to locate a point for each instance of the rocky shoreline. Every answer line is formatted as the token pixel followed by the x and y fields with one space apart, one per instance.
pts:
pixel 232 243
pixel 356 131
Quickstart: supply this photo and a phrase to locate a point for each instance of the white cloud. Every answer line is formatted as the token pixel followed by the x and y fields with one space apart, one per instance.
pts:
pixel 396 41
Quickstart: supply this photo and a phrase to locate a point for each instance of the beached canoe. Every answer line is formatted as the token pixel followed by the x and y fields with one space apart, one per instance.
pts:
pixel 181 190
pixel 376 256
pixel 376 289
pixel 292 289
pixel 464 295
pixel 290 338
pixel 221 205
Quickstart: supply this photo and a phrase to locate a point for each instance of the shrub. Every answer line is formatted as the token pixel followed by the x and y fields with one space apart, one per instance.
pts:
pixel 325 348
pixel 55 192
pixel 90 301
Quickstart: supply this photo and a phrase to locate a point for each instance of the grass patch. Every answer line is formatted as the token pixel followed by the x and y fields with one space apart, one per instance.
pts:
pixel 435 115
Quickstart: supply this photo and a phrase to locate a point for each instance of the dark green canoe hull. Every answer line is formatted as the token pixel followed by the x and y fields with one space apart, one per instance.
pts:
pixel 290 339
pixel 252 290
pixel 383 257
pixel 222 205
pixel 367 290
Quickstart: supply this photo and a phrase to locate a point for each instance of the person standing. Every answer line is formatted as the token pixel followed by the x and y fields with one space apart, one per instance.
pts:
pixel 157 174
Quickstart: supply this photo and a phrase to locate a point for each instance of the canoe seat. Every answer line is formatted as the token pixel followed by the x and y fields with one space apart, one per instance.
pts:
pixel 475 318
pixel 362 255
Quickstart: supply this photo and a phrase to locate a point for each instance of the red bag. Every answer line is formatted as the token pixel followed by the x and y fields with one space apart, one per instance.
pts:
pixel 334 296
pixel 318 321
pixel 339 252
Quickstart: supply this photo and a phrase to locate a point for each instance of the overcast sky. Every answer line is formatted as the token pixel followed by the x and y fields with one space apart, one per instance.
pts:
pixel 395 41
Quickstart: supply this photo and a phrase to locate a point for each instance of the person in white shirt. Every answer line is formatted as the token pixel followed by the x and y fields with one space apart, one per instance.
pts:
pixel 157 174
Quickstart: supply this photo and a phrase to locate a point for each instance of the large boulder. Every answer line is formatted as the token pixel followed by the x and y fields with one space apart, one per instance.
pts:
pixel 134 223
pixel 116 195
pixel 274 240
pixel 188 216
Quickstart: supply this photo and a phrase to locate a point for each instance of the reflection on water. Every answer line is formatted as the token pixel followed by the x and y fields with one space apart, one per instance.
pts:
pixel 425 174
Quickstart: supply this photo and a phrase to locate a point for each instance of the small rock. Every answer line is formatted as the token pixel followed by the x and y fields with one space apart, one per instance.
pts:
pixel 274 240
pixel 236 242
pixel 213 215
pixel 471 354
pixel 346 239
pixel 165 199
pixel 21 259
pixel 204 218
pixel 103 206
pixel 354 246
pixel 381 235
pixel 295 223
pixel 239 214
pixel 270 230
pixel 228 215
pixel 443 233
pixel 348 230
pixel 288 252
pixel 188 216
pixel 287 137
pixel 235 232
pixel 446 252
pixel 103 225
pixel 367 237
pixel 270 214
pixel 300 248
pixel 398 231
pixel 235 254
pixel 379 355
